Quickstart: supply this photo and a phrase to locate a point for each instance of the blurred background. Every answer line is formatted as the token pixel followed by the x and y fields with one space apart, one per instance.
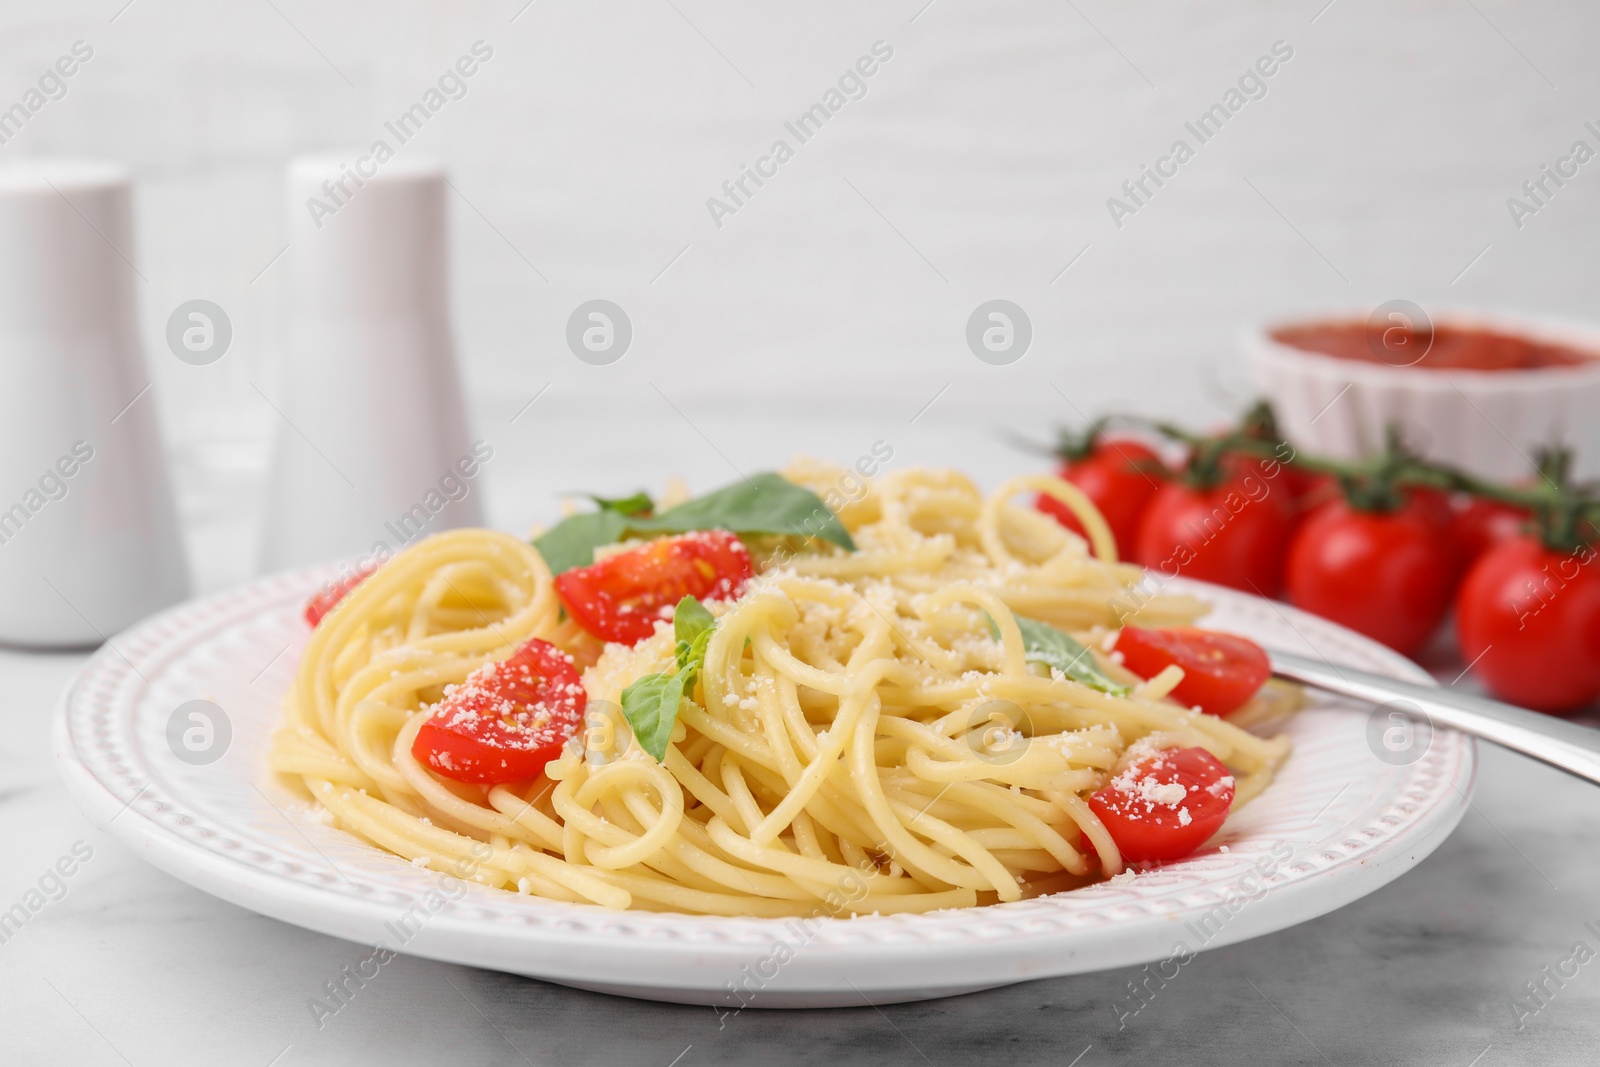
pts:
pixel 829 311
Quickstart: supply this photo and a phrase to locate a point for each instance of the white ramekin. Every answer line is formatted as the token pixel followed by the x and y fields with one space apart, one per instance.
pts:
pixel 1487 423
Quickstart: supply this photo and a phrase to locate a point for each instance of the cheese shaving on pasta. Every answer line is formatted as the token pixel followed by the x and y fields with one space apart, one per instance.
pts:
pixel 858 740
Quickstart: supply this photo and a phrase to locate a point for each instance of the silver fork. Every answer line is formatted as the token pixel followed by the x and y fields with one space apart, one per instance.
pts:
pixel 1573 748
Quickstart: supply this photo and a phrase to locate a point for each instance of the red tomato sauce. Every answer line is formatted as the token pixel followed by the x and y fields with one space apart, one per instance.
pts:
pixel 1452 348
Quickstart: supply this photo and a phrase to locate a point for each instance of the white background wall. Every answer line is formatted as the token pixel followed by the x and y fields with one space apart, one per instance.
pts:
pixel 824 316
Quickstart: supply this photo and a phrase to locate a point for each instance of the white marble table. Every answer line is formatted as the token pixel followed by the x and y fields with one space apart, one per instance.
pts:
pixel 132 966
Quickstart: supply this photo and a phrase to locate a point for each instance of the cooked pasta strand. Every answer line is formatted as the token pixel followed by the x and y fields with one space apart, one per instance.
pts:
pixel 834 757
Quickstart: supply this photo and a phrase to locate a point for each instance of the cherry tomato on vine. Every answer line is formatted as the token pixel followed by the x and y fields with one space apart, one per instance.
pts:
pixel 330 595
pixel 1310 490
pixel 1235 534
pixel 1387 575
pixel 1165 805
pixel 1120 475
pixel 1220 671
pixel 1436 507
pixel 1302 491
pixel 506 720
pixel 1432 505
pixel 1482 525
pixel 1528 618
pixel 622 597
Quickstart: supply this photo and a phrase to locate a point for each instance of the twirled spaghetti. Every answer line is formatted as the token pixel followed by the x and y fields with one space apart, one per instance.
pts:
pixel 842 731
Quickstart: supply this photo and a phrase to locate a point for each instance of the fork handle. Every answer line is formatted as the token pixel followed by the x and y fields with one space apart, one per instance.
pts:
pixel 1568 746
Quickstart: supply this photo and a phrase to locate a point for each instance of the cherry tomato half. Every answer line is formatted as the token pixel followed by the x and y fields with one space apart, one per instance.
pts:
pixel 1220 671
pixel 622 597
pixel 1387 575
pixel 329 596
pixel 1120 475
pixel 1235 534
pixel 1528 619
pixel 506 720
pixel 1165 805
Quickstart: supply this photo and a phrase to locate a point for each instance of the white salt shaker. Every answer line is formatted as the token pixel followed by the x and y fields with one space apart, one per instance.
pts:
pixel 89 537
pixel 373 448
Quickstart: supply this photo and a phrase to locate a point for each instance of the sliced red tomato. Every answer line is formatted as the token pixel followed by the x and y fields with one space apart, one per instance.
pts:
pixel 1529 622
pixel 1165 805
pixel 506 720
pixel 622 597
pixel 1220 671
pixel 330 595
pixel 1120 476
pixel 1384 574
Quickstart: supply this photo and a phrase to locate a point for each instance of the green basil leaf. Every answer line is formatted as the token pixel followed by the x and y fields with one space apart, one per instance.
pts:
pixel 691 625
pixel 692 655
pixel 651 704
pixel 571 542
pixel 651 707
pixel 637 504
pixel 1043 643
pixel 764 503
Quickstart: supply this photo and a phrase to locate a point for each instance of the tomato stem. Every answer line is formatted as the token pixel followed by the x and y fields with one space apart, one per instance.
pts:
pixel 1074 445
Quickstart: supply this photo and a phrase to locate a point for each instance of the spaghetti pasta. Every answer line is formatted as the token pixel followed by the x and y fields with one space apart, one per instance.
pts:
pixel 856 723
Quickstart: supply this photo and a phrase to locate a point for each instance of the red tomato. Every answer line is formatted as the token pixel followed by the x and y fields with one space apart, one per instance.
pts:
pixel 1165 805
pixel 328 596
pixel 1432 505
pixel 622 597
pixel 1311 489
pixel 1235 534
pixel 1121 475
pixel 1482 525
pixel 1435 507
pixel 1220 671
pixel 1383 574
pixel 506 720
pixel 1528 619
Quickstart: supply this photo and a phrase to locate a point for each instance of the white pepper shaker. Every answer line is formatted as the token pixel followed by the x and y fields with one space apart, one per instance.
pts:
pixel 373 446
pixel 89 537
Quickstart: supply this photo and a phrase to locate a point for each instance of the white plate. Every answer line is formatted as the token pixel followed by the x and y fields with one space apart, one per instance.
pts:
pixel 1352 822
